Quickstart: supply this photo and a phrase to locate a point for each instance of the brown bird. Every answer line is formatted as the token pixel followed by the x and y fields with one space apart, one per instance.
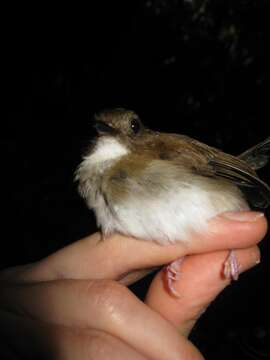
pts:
pixel 161 187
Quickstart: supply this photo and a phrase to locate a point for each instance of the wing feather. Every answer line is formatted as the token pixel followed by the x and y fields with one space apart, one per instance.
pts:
pixel 237 170
pixel 211 162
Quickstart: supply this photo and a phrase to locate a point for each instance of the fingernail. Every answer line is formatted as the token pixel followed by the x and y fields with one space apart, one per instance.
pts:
pixel 244 216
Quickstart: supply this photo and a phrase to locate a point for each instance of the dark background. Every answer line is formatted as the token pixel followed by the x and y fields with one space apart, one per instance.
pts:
pixel 194 67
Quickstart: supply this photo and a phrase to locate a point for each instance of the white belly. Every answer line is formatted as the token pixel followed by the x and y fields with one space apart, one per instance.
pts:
pixel 169 215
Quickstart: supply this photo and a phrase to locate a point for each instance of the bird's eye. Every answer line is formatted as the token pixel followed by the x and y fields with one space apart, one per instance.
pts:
pixel 135 126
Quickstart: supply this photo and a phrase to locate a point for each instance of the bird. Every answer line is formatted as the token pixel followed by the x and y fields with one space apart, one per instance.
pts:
pixel 162 187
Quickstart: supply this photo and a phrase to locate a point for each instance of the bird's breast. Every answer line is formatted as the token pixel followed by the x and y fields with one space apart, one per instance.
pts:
pixel 161 201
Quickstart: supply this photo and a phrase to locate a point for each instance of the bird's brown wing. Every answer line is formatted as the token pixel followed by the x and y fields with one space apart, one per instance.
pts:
pixel 208 161
pixel 215 163
pixel 258 155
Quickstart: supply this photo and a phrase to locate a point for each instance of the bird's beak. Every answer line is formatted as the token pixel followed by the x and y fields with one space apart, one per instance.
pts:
pixel 103 128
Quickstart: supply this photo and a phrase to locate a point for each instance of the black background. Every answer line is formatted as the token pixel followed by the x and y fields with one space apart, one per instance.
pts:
pixel 194 67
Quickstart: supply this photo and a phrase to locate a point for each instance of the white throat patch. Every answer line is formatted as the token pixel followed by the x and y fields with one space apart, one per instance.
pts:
pixel 107 149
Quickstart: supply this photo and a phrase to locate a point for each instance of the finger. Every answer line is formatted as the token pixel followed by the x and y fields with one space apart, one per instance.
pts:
pixel 91 258
pixel 136 275
pixel 99 345
pixel 26 338
pixel 223 231
pixel 200 282
pixel 30 339
pixel 104 305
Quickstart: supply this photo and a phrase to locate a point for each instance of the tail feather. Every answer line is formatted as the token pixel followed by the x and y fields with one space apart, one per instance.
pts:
pixel 258 155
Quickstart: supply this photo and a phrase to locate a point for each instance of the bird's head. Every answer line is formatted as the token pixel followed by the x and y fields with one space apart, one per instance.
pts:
pixel 118 122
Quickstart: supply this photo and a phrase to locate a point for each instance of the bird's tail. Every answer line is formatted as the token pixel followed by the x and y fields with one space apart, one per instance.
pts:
pixel 257 156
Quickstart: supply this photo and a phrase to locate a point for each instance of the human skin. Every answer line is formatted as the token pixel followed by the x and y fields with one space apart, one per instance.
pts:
pixel 74 304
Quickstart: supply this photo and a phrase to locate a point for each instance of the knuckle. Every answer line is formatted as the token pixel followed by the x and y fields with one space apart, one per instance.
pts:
pixel 111 295
pixel 108 295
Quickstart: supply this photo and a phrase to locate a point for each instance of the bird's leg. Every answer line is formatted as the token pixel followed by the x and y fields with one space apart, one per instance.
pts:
pixel 231 266
pixel 172 274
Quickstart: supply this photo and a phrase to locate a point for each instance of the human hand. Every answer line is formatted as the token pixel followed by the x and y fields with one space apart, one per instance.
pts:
pixel 70 305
